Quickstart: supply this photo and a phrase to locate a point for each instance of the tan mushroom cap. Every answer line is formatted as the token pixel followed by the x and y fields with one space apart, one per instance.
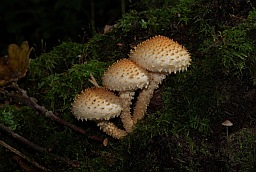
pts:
pixel 125 75
pixel 161 54
pixel 227 123
pixel 95 104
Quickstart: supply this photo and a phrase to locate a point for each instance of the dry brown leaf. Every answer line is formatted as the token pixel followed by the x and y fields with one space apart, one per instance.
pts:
pixel 15 65
pixel 19 58
pixel 5 71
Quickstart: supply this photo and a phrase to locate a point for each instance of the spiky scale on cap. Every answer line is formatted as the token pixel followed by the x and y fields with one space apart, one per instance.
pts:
pixel 95 104
pixel 125 75
pixel 161 54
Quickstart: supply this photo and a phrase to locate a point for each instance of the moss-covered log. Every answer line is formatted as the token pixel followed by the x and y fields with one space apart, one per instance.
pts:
pixel 181 133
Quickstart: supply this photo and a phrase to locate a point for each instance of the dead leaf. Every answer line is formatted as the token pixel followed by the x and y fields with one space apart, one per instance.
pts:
pixel 15 65
pixel 5 72
pixel 19 58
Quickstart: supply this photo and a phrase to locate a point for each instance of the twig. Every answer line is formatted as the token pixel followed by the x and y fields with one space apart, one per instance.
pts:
pixel 72 163
pixel 23 165
pixel 44 111
pixel 93 81
pixel 22 155
pixel 22 139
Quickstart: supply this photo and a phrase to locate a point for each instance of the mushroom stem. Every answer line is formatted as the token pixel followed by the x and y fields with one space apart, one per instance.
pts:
pixel 126 118
pixel 227 133
pixel 146 94
pixel 112 130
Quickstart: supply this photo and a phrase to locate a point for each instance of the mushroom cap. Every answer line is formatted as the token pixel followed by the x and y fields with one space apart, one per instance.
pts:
pixel 227 123
pixel 161 54
pixel 96 104
pixel 125 75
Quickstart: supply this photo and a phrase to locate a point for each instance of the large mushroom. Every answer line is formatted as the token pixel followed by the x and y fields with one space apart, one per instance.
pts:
pixel 160 56
pixel 125 77
pixel 100 105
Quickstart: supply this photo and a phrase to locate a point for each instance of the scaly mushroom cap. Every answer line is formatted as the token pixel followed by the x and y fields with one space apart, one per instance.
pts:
pixel 96 103
pixel 161 54
pixel 125 75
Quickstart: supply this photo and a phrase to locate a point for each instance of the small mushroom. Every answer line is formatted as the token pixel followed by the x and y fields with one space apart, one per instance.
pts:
pixel 125 77
pixel 227 124
pixel 100 105
pixel 160 56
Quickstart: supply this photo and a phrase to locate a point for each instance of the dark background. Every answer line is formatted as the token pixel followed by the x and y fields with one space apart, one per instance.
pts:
pixel 48 22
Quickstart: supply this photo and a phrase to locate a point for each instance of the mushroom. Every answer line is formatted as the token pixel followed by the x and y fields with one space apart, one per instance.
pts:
pixel 125 77
pixel 100 105
pixel 227 124
pixel 160 56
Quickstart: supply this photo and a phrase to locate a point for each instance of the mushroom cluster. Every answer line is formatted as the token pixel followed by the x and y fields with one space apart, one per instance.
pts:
pixel 148 65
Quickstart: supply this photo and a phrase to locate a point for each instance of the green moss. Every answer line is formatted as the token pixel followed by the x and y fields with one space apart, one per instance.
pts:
pixel 56 61
pixel 7 117
pixel 104 48
pixel 241 150
pixel 164 148
pixel 74 80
